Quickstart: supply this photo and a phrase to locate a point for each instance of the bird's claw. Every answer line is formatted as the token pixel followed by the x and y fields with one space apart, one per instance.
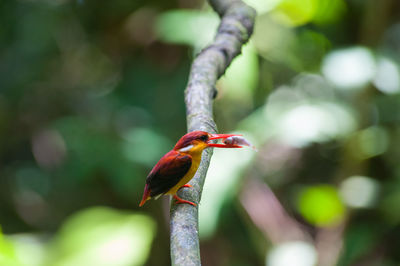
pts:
pixel 179 201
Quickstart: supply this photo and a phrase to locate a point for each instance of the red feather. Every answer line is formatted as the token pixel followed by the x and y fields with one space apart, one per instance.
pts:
pixel 146 195
pixel 169 170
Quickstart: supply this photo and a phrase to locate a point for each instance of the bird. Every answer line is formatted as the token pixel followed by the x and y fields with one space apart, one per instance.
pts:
pixel 178 166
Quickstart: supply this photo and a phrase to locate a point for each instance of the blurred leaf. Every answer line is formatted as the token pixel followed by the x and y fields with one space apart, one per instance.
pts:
pixel 145 146
pixel 189 27
pixel 329 11
pixel 295 12
pixel 390 206
pixel 102 236
pixel 321 205
pixel 7 252
pixel 300 12
pixel 241 77
pixel 358 241
pixel 272 40
pixel 262 6
pixel 308 51
pixel 30 249
pixel 373 141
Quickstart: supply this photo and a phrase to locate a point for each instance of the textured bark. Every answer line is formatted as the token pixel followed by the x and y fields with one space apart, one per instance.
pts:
pixel 237 21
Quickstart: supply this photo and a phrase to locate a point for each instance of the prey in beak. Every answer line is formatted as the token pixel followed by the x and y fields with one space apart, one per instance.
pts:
pixel 223 137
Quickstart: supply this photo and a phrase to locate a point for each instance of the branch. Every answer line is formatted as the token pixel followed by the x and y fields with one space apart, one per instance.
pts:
pixel 237 21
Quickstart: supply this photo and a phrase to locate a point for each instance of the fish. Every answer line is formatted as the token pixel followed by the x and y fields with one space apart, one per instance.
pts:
pixel 238 140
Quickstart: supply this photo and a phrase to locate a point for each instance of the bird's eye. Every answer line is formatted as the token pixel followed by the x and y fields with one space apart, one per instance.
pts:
pixel 204 137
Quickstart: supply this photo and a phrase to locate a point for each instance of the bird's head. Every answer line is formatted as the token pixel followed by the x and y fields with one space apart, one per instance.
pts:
pixel 197 141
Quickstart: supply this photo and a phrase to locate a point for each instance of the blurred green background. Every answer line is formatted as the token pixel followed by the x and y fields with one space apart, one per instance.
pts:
pixel 91 96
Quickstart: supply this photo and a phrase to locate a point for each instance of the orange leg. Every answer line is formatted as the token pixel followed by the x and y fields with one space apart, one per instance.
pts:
pixel 187 185
pixel 179 200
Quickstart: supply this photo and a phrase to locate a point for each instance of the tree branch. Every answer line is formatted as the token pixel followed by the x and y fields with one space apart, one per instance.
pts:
pixel 237 20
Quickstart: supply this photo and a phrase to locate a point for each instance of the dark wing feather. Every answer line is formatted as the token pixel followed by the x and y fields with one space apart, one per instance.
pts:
pixel 171 168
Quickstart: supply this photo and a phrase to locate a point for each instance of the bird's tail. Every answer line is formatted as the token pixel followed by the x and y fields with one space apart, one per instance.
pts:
pixel 146 195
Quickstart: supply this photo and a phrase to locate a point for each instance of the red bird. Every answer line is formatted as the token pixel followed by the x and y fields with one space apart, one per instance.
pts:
pixel 176 168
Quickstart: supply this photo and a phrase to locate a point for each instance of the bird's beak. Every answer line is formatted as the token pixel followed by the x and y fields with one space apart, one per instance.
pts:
pixel 221 136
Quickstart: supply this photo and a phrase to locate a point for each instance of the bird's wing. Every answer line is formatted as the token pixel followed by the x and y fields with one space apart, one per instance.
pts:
pixel 171 168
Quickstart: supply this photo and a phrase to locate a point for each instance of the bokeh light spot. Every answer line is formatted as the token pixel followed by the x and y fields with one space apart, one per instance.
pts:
pixel 182 26
pixel 315 123
pixel 292 253
pixel 349 68
pixel 387 78
pixel 320 205
pixel 103 236
pixel 359 191
pixel 373 141
pixel 295 12
pixel 262 6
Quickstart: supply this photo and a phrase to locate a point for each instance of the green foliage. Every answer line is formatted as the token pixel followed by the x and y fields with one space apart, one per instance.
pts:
pixel 297 12
pixel 240 80
pixel 102 236
pixel 7 252
pixel 183 27
pixel 321 205
pixel 144 139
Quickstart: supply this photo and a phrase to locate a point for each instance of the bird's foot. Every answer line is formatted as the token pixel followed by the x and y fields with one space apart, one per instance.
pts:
pixel 187 185
pixel 179 200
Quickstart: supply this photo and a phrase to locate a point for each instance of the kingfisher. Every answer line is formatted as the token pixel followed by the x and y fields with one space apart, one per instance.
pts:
pixel 178 166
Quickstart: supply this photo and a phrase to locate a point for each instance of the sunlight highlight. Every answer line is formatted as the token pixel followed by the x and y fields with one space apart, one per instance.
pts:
pixel 359 191
pixel 349 68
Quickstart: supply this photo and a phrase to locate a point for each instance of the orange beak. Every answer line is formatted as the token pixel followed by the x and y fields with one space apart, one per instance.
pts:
pixel 221 136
